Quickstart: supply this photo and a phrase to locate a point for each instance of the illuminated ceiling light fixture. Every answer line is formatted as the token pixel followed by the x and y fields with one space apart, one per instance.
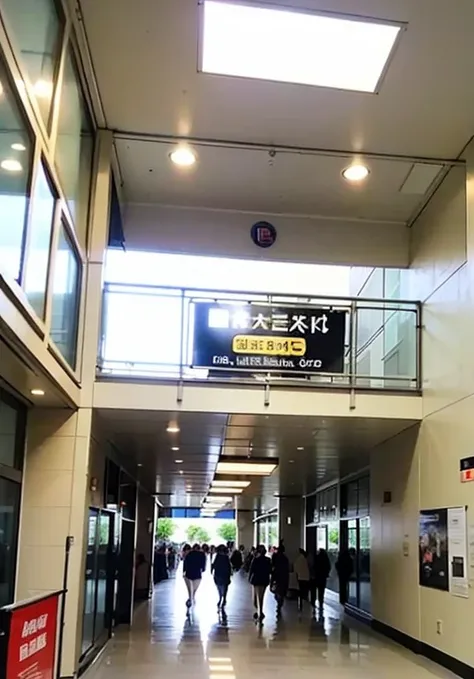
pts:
pixel 175 449
pixel 43 89
pixel 355 172
pixel 219 499
pixel 219 483
pixel 37 392
pixel 18 147
pixel 246 467
pixel 173 428
pixel 179 461
pixel 11 165
pixel 234 491
pixel 183 156
pixel 279 44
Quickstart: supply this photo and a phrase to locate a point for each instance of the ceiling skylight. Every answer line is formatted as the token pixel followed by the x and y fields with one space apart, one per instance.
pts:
pixel 283 45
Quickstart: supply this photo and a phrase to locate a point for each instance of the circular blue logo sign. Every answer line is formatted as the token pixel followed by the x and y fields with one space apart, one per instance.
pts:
pixel 263 234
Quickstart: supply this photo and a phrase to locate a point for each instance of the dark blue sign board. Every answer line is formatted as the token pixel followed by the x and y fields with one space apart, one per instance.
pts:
pixel 263 234
pixel 259 338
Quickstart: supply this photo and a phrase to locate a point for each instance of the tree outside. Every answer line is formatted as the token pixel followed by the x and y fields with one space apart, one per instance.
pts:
pixel 196 533
pixel 165 529
pixel 228 531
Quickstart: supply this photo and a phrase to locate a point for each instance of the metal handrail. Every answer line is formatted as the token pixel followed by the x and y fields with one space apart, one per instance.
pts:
pixel 349 376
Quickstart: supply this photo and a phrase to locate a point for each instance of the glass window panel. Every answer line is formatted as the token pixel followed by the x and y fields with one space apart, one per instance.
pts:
pixel 36 34
pixel 8 432
pixel 39 244
pixel 65 299
pixel 16 160
pixel 74 148
pixel 9 512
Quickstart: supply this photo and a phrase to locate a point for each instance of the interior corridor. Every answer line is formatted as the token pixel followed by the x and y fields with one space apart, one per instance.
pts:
pixel 165 642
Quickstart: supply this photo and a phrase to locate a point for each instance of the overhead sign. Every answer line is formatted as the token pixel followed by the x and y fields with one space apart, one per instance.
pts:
pixel 467 469
pixel 260 338
pixel 263 234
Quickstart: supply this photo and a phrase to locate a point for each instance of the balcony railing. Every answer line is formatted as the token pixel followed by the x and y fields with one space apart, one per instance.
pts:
pixel 205 335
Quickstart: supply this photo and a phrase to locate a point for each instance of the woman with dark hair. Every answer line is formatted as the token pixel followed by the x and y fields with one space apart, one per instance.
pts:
pixel 222 570
pixel 259 578
pixel 280 576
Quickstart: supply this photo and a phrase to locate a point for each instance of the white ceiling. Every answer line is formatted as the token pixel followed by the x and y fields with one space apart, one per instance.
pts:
pixel 147 75
pixel 332 447
pixel 150 87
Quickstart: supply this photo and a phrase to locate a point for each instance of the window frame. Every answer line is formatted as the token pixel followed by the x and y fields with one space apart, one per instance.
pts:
pixel 73 370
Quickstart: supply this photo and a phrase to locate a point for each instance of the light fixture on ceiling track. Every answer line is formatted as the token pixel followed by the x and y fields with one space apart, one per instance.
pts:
pixel 231 483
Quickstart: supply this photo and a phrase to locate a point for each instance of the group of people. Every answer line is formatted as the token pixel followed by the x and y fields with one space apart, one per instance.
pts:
pixel 311 570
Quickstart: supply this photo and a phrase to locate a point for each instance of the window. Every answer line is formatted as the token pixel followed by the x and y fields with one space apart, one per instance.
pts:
pixel 39 243
pixel 65 298
pixel 74 148
pixel 16 160
pixel 8 434
pixel 296 47
pixel 36 32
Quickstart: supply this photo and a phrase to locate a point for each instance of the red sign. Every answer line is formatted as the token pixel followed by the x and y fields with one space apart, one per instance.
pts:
pixel 32 640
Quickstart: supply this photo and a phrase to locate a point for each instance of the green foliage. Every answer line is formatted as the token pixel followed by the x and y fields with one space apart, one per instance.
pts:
pixel 165 529
pixel 227 531
pixel 196 533
pixel 333 537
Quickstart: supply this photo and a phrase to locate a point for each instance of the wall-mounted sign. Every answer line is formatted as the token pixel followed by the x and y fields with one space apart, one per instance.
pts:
pixel 263 234
pixel 259 338
pixel 467 469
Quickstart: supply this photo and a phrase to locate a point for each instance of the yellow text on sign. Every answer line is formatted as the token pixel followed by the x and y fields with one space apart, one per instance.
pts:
pixel 269 346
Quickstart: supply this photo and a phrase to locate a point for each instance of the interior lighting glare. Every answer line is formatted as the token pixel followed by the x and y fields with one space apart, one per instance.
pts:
pixel 280 44
pixel 37 392
pixel 179 461
pixel 43 89
pixel 11 165
pixel 183 156
pixel 173 429
pixel 18 147
pixel 355 173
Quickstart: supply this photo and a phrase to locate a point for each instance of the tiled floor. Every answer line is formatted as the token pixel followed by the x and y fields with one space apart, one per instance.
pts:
pixel 165 642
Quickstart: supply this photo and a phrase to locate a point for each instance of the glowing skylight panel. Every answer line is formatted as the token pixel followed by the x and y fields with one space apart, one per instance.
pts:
pixel 283 45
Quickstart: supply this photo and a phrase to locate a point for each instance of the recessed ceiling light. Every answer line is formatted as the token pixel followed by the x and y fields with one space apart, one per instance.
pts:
pixel 139 464
pixel 300 448
pixel 183 156
pixel 175 448
pixel 291 461
pixel 18 147
pixel 37 392
pixel 179 461
pixel 181 471
pixel 247 467
pixel 43 89
pixel 355 173
pixel 218 483
pixel 234 491
pixel 11 165
pixel 173 429
pixel 307 48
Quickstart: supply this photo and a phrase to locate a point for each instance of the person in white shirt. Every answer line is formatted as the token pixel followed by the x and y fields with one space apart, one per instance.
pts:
pixel 301 569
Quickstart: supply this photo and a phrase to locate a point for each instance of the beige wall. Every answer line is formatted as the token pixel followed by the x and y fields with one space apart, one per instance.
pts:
pixel 300 239
pixel 421 468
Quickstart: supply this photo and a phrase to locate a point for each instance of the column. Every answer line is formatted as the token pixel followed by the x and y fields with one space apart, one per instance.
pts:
pixel 245 528
pixel 291 525
pixel 54 506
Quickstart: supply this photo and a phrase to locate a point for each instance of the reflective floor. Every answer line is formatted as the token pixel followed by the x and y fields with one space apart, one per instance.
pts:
pixel 166 642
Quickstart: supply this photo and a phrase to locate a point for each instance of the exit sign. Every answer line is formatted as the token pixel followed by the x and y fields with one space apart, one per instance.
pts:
pixel 467 469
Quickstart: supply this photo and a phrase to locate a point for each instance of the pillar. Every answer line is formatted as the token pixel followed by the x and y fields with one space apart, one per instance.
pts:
pixel 291 525
pixel 245 528
pixel 54 506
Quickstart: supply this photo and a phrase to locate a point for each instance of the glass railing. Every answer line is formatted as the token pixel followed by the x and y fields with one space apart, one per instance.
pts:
pixel 208 335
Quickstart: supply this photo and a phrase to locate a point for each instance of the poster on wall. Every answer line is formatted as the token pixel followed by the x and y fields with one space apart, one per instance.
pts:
pixel 433 545
pixel 443 550
pixel 457 550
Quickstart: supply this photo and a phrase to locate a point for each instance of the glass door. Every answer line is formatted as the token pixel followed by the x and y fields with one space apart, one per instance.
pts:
pixel 352 544
pixel 9 513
